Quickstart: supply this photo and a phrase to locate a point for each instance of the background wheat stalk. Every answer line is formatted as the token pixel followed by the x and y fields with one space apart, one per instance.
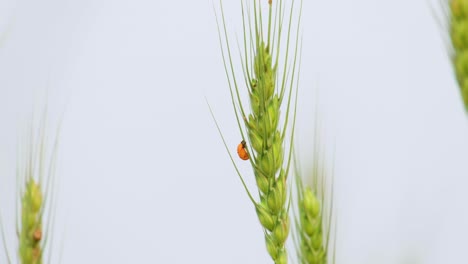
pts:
pixel 270 74
pixel 459 37
pixel 455 23
pixel 313 216
pixel 35 197
pixel 30 249
pixel 311 249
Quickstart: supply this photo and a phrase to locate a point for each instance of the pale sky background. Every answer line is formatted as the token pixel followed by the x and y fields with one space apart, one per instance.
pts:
pixel 144 175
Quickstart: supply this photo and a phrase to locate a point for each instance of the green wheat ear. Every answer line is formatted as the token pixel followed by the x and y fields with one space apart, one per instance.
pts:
pixel 270 72
pixel 313 213
pixel 35 198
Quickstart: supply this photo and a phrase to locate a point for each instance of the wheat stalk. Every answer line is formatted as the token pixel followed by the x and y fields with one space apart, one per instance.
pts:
pixel 35 197
pixel 459 37
pixel 30 250
pixel 312 250
pixel 452 18
pixel 270 74
pixel 314 209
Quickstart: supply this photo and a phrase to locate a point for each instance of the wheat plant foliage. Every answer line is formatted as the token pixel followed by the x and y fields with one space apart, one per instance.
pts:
pixel 269 75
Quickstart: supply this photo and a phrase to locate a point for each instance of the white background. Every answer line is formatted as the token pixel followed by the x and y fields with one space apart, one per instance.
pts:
pixel 144 177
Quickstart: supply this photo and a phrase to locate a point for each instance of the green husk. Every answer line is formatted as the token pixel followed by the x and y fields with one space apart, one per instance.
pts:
pixel 270 73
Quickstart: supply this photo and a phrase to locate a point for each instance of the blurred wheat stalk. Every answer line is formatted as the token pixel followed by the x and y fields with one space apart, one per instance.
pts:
pixel 35 203
pixel 459 37
pixel 455 13
pixel 269 64
pixel 314 211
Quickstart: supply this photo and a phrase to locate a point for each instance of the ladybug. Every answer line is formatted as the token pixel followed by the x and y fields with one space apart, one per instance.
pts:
pixel 242 151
